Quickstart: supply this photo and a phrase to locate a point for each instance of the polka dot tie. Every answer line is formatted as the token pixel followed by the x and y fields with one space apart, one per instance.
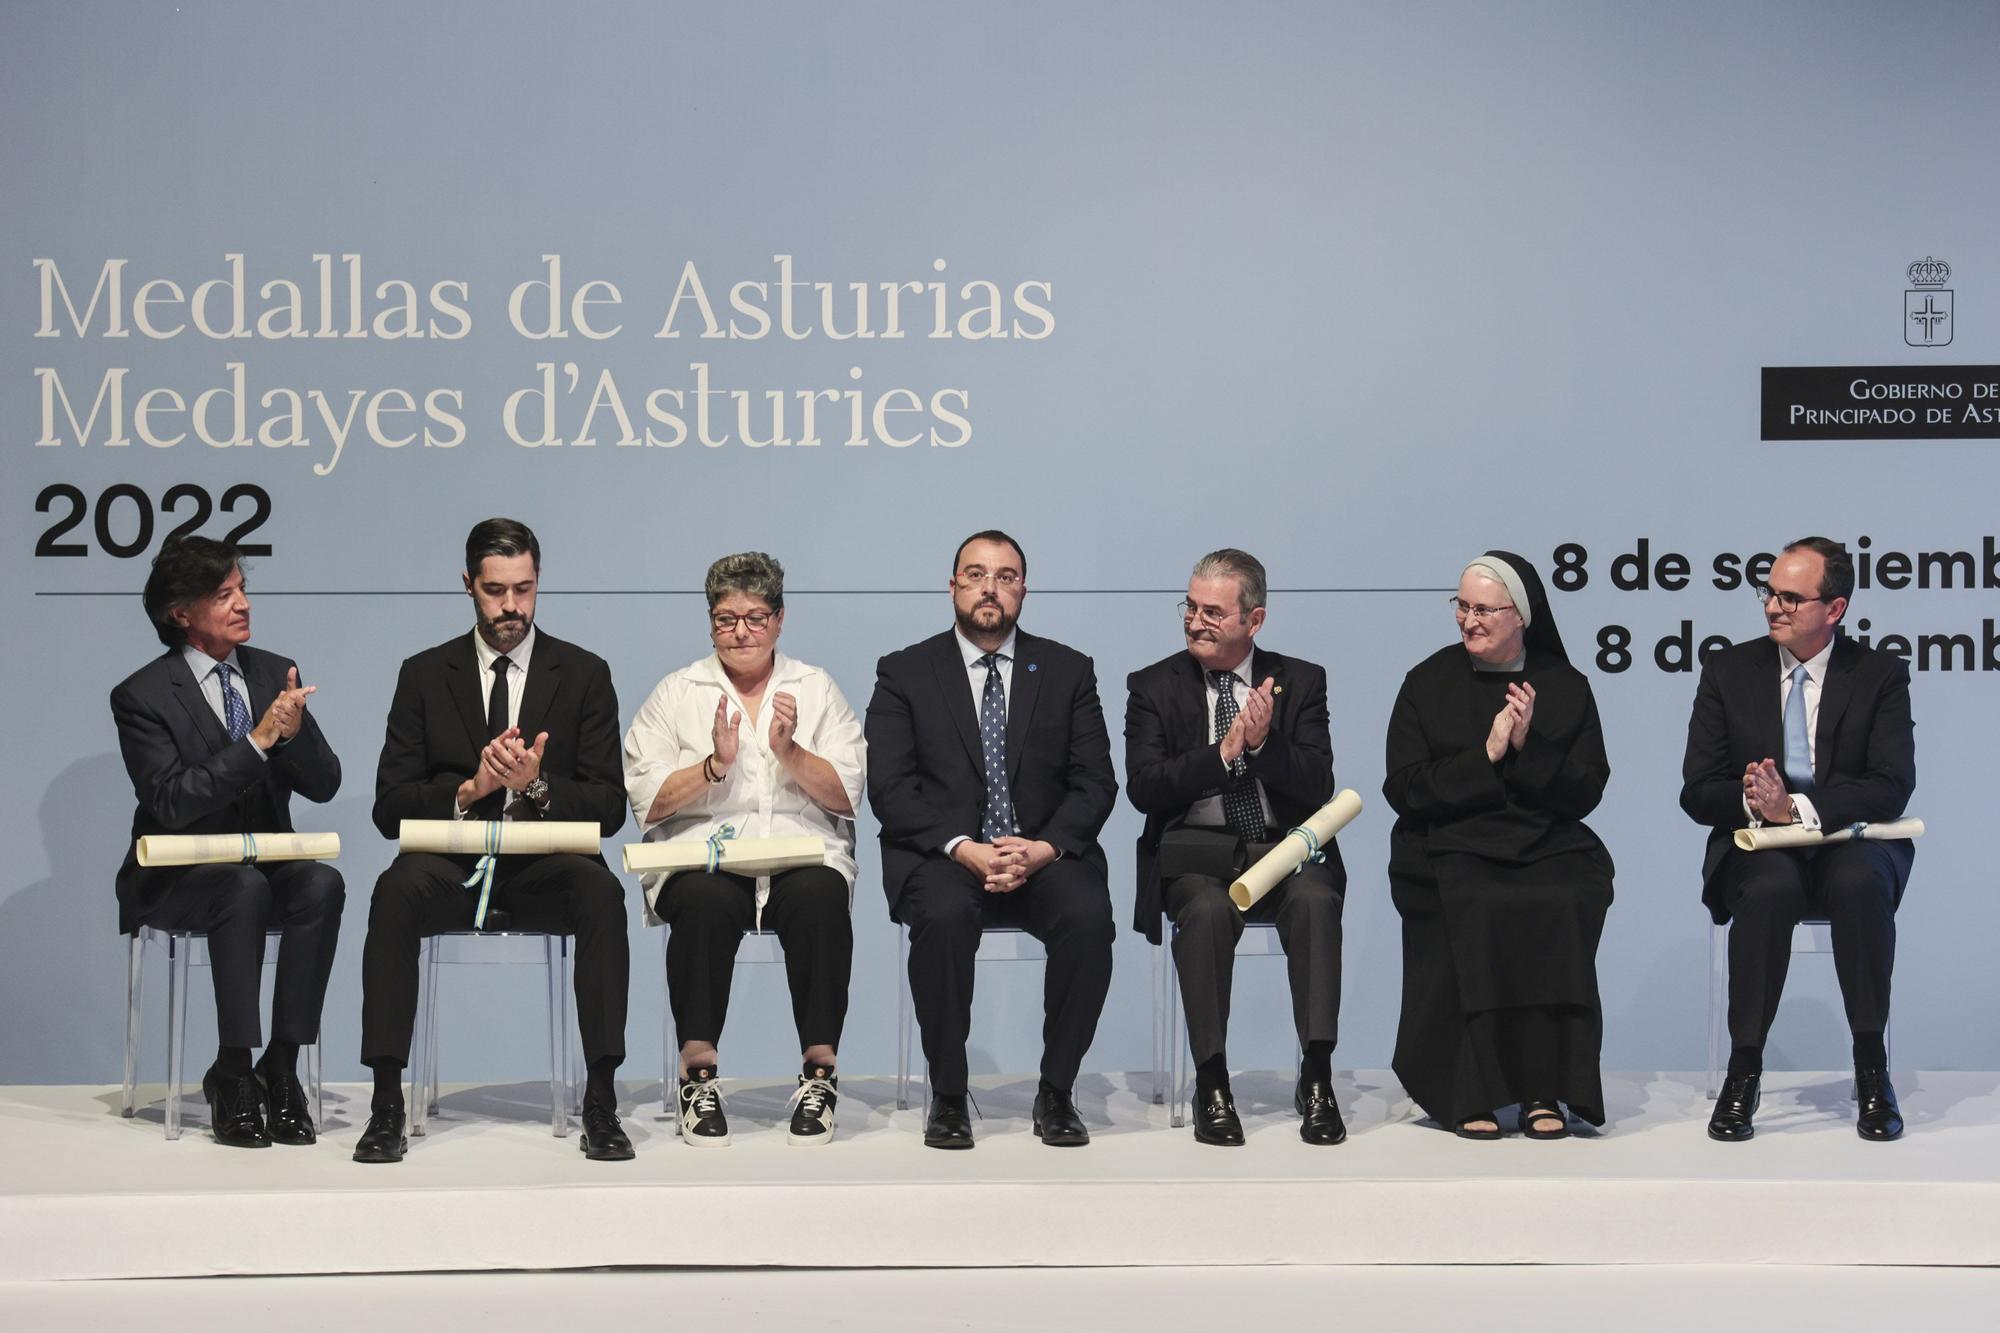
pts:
pixel 235 713
pixel 1240 805
pixel 999 820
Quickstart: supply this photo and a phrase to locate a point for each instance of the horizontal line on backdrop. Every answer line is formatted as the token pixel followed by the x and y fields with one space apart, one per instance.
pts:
pixel 697 592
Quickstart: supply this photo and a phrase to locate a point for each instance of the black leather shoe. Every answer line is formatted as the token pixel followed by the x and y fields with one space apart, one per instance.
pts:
pixel 603 1139
pixel 290 1121
pixel 235 1110
pixel 382 1140
pixel 1056 1121
pixel 1880 1120
pixel 1730 1121
pixel 1320 1120
pixel 1215 1119
pixel 948 1125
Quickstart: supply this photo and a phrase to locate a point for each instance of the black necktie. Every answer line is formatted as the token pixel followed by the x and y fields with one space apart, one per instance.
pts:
pixel 1241 808
pixel 494 805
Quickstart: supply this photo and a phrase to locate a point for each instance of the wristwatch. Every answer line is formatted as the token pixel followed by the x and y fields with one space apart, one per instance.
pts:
pixel 538 792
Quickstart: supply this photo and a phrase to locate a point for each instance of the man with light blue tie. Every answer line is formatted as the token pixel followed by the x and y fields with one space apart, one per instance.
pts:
pixel 1803 726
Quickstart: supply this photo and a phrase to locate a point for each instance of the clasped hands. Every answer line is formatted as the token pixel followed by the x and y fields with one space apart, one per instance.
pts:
pixel 1004 864
pixel 287 713
pixel 1510 724
pixel 1764 792
pixel 1253 723
pixel 505 762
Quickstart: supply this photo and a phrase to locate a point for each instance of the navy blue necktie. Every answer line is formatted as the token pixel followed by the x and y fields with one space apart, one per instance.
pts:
pixel 1241 809
pixel 235 713
pixel 999 819
pixel 1798 752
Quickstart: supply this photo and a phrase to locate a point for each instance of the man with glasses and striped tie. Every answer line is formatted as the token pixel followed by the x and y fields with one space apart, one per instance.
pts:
pixel 1803 726
pixel 990 770
pixel 216 738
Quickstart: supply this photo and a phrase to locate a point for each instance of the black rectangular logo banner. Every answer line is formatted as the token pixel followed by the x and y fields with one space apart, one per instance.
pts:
pixel 1881 402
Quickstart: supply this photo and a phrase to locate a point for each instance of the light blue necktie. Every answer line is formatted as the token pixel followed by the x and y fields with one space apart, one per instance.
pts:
pixel 1798 753
pixel 235 713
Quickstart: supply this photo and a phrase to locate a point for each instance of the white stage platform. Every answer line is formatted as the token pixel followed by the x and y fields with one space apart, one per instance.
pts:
pixel 89 1195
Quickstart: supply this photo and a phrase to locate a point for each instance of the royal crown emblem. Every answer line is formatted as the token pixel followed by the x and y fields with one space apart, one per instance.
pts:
pixel 1927 304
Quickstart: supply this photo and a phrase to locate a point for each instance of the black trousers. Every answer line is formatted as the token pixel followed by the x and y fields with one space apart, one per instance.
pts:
pixel 1853 886
pixel 1065 905
pixel 706 915
pixel 1306 910
pixel 236 906
pixel 563 894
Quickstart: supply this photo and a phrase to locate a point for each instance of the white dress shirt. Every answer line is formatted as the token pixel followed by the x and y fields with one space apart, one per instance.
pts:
pixel 1207 812
pixel 1808 816
pixel 674 728
pixel 517 685
pixel 204 668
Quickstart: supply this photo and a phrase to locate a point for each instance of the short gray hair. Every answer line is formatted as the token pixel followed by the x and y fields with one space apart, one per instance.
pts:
pixel 749 572
pixel 1246 569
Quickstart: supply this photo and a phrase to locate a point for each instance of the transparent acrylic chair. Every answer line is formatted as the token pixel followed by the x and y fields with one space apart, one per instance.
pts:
pixel 554 953
pixel 997 944
pixel 186 949
pixel 1170 1043
pixel 1808 937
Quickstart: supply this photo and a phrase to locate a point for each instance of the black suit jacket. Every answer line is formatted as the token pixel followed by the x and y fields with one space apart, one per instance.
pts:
pixel 437 727
pixel 926 770
pixel 189 777
pixel 1170 762
pixel 1864 746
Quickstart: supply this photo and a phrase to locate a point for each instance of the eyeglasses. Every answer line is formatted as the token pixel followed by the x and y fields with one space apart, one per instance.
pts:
pixel 1202 616
pixel 756 622
pixel 1788 602
pixel 1470 611
pixel 1005 579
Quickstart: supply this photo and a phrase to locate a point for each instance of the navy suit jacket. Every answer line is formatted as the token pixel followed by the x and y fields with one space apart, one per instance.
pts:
pixel 1864 747
pixel 189 777
pixel 1171 762
pixel 926 769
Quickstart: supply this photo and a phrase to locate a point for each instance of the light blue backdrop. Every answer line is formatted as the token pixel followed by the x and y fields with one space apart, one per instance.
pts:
pixel 1365 288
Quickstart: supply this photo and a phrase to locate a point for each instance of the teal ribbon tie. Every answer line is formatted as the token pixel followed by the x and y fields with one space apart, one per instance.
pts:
pixel 482 874
pixel 249 849
pixel 1315 854
pixel 715 841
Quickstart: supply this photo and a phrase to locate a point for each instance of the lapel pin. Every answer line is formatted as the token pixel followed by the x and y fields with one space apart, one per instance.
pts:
pixel 1277 689
pixel 1031 666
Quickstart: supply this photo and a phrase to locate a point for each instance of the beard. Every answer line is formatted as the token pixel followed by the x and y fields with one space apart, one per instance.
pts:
pixel 504 633
pixel 968 621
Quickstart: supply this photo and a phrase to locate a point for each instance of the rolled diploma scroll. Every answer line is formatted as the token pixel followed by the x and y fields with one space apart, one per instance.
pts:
pixel 467 837
pixel 202 849
pixel 1293 851
pixel 1789 835
pixel 740 856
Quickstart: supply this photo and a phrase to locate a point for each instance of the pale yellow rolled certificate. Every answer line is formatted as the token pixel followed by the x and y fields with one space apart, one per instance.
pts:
pixel 205 849
pixel 739 856
pixel 1293 850
pixel 1790 835
pixel 472 837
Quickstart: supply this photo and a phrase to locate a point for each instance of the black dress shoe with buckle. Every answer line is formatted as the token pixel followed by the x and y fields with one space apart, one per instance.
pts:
pixel 1880 1119
pixel 603 1138
pixel 1215 1118
pixel 235 1109
pixel 1319 1114
pixel 1730 1121
pixel 382 1140
pixel 1056 1121
pixel 290 1121
pixel 949 1125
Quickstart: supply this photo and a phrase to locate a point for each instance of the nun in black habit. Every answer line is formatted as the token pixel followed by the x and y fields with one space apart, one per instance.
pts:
pixel 1495 756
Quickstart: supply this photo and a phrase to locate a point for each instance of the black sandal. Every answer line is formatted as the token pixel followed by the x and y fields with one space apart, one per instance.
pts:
pixel 1464 1130
pixel 1533 1113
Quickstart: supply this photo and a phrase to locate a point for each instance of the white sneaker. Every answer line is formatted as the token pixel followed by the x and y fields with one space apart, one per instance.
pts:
pixel 812 1109
pixel 703 1125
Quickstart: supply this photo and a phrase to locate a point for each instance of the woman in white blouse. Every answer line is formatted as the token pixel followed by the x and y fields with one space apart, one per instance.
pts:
pixel 751 739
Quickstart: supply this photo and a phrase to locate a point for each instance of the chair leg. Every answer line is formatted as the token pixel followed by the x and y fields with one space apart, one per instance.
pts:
pixel 1176 1037
pixel 135 962
pixel 669 1057
pixel 1159 1027
pixel 423 1033
pixel 177 1006
pixel 554 960
pixel 575 1068
pixel 905 1019
pixel 1718 1005
pixel 315 1084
